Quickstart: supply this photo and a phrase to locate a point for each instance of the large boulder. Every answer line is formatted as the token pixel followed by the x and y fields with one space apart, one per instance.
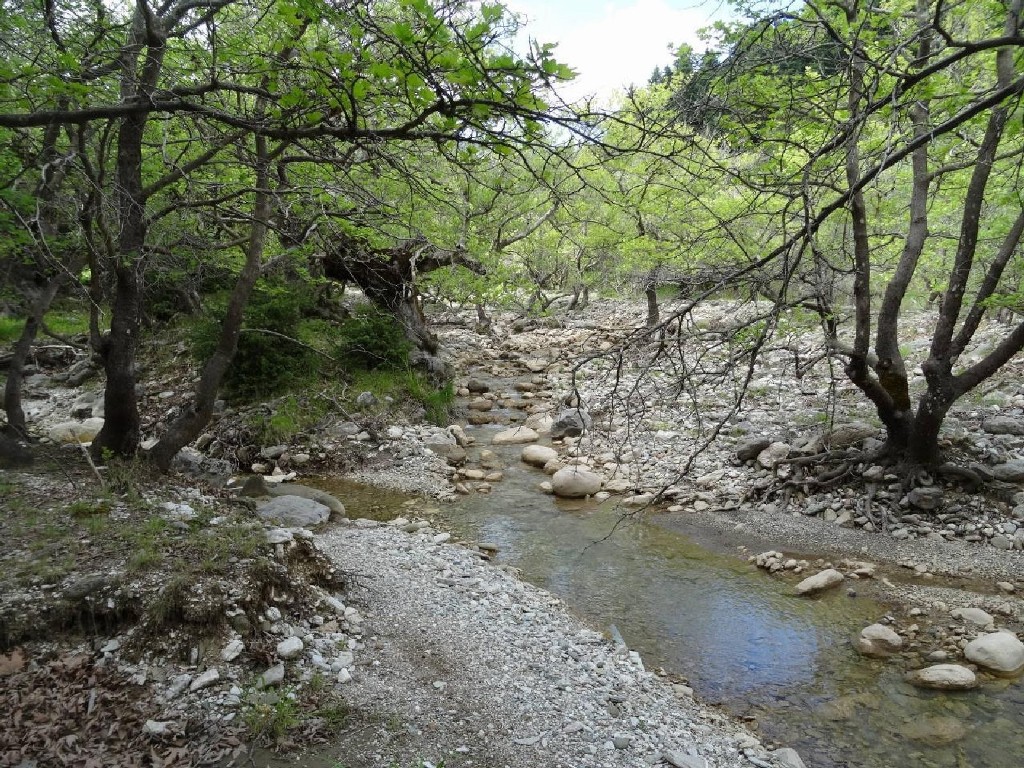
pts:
pixel 819 582
pixel 999 652
pixel 1003 425
pixel 878 641
pixel 1010 472
pixel 852 433
pixel 575 482
pixel 539 455
pixel 515 436
pixel 943 677
pixel 571 422
pixel 257 486
pixel 974 616
pixel 749 447
pixel 294 512
pixel 75 431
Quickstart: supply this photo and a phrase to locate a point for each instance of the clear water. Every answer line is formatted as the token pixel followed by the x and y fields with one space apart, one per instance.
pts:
pixel 739 637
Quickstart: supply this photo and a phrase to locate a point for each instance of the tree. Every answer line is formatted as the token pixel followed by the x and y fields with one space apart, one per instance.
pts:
pixel 342 83
pixel 853 122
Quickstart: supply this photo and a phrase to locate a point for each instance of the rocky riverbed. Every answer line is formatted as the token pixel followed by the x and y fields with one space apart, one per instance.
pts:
pixel 596 428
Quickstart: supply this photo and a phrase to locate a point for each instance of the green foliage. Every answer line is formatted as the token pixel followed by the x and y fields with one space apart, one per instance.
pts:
pixel 10 328
pixel 372 339
pixel 268 359
pixel 292 415
pixel 65 322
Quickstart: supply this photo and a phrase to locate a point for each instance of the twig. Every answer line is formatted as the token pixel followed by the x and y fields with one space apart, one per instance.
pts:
pixel 95 471
pixel 293 340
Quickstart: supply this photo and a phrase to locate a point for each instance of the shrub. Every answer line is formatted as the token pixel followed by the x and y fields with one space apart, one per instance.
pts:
pixel 372 339
pixel 265 363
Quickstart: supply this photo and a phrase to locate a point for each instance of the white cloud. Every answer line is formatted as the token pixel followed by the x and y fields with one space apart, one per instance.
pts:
pixel 614 44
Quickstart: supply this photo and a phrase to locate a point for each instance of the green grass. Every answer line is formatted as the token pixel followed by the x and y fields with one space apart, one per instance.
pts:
pixel 269 716
pixel 64 322
pixel 292 415
pixel 406 385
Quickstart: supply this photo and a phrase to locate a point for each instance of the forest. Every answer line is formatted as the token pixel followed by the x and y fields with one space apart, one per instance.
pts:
pixel 233 165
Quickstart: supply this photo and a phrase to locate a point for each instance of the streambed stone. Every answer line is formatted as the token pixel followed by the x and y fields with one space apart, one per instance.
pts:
pixel 878 641
pixel 575 482
pixel 515 436
pixel 538 455
pixel 943 677
pixel 935 731
pixel 999 652
pixel 819 582
pixel 75 431
pixel 294 511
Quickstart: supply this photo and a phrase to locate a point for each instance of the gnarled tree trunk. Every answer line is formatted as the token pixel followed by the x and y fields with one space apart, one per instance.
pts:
pixel 388 278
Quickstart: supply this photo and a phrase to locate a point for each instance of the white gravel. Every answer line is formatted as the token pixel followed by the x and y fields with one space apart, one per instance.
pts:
pixel 465 663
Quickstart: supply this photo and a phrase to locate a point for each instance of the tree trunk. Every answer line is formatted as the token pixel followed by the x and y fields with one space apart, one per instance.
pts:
pixel 653 313
pixel 187 427
pixel 122 425
pixel 388 278
pixel 15 371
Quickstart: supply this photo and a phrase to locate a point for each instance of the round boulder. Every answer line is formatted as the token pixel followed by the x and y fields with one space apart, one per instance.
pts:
pixel 943 677
pixel 999 652
pixel 539 455
pixel 878 641
pixel 575 482
pixel 294 511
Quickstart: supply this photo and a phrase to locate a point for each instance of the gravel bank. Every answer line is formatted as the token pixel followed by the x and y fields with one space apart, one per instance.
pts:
pixel 466 663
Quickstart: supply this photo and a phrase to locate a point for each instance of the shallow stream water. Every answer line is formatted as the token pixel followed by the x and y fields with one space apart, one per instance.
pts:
pixel 739 637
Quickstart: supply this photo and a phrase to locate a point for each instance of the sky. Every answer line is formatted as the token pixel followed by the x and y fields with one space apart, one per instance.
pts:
pixel 615 43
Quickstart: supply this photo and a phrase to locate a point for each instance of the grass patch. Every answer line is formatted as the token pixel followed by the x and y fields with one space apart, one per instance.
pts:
pixel 216 546
pixel 269 715
pixel 64 322
pixel 407 385
pixel 292 415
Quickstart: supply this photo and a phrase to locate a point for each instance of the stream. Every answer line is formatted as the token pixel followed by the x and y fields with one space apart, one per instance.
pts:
pixel 740 638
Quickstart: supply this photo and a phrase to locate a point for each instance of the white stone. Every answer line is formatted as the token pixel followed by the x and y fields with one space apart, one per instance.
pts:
pixel 772 455
pixel 515 436
pixel 232 650
pixel 272 676
pixel 820 581
pixel 289 648
pixel 999 652
pixel 156 727
pixel 538 455
pixel 878 640
pixel 973 616
pixel 208 677
pixel 575 482
pixel 944 677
